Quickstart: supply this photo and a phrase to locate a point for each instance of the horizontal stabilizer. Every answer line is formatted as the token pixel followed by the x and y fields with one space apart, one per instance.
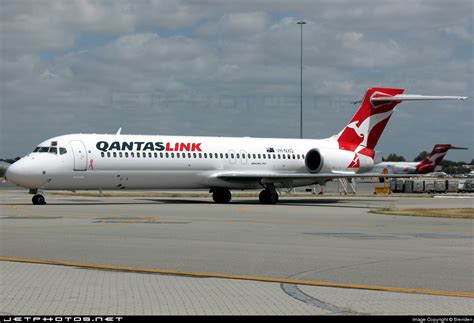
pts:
pixel 414 97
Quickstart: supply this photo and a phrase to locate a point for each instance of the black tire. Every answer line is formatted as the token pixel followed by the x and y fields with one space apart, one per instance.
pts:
pixel 38 199
pixel 221 195
pixel 273 198
pixel 267 197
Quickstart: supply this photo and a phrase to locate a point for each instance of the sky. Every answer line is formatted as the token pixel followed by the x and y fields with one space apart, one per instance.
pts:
pixel 232 68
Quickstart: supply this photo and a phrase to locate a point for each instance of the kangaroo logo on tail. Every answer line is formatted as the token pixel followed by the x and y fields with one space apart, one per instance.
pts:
pixel 366 126
pixel 435 158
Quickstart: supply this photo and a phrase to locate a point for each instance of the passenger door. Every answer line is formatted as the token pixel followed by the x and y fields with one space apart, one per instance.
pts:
pixel 80 155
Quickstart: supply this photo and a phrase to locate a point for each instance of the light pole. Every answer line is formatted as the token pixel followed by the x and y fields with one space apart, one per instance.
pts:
pixel 301 23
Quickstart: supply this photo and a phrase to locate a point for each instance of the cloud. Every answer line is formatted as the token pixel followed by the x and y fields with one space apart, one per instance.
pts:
pixel 213 68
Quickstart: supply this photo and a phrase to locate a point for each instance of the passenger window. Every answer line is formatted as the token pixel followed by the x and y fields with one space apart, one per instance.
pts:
pixel 200 155
pixel 264 156
pixel 238 156
pixel 132 154
pixel 156 155
pixel 102 154
pixel 177 155
pixel 210 155
pixel 222 155
pixel 138 155
pixel 216 155
pixel 294 157
pixel 274 156
pixel 194 155
pixel 120 154
pixel 283 156
pixel 189 155
pixel 232 156
pixel 108 154
pixel 149 155
pixel 254 156
pixel 172 155
pixel 126 155
pixel 167 155
pixel 226 156
pixel 161 155
pixel 205 155
pixel 115 154
pixel 258 156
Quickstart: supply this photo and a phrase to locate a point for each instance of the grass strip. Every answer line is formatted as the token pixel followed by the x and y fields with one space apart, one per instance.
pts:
pixel 453 213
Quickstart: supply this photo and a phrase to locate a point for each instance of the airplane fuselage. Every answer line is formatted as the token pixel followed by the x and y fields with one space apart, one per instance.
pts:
pixel 110 162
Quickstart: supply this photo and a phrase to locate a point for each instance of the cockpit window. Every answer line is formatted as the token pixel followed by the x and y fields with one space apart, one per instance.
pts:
pixel 52 150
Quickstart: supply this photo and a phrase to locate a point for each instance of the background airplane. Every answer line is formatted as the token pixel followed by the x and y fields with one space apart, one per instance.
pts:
pixel 111 162
pixel 427 165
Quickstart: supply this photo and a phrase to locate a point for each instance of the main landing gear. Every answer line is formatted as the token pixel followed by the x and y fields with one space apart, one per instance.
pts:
pixel 221 195
pixel 38 199
pixel 269 195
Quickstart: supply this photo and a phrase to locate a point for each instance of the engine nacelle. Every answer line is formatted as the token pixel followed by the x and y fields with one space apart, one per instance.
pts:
pixel 325 160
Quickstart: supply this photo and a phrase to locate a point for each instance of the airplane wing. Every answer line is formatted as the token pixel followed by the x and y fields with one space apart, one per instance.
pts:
pixel 279 177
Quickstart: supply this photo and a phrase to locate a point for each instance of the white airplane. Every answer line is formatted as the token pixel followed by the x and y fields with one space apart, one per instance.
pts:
pixel 427 165
pixel 111 162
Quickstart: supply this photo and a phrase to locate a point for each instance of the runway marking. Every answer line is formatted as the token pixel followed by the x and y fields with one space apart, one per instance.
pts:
pixel 247 278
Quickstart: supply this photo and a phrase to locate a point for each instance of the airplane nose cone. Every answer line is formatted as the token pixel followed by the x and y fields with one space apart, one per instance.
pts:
pixel 12 174
pixel 21 174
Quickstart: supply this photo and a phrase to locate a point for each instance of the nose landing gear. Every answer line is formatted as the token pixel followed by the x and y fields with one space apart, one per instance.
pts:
pixel 38 199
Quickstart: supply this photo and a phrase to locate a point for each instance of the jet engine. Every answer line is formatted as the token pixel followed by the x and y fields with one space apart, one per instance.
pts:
pixel 326 160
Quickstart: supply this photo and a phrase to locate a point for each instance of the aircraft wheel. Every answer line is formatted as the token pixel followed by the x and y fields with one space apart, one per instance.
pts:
pixel 267 197
pixel 221 195
pixel 38 199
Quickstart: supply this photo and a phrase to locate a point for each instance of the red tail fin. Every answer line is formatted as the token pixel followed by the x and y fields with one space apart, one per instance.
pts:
pixel 429 164
pixel 366 126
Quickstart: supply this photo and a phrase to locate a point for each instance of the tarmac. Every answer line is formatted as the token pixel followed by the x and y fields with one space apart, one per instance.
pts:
pixel 312 255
